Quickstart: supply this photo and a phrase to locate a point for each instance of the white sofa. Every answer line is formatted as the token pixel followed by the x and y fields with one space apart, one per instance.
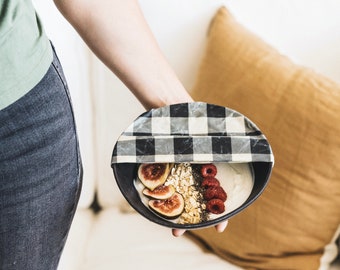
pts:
pixel 116 237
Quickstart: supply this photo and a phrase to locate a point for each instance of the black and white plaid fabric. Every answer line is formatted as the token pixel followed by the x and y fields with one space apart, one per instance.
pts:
pixel 192 132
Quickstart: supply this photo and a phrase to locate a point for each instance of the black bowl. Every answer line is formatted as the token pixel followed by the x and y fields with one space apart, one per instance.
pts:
pixel 126 173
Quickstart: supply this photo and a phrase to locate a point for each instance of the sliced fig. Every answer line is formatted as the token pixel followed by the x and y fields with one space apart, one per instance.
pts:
pixel 169 208
pixel 161 192
pixel 153 175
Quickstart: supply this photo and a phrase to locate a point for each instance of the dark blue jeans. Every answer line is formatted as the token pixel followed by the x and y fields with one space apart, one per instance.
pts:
pixel 40 175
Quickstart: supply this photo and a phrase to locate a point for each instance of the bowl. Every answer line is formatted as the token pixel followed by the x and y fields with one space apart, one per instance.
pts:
pixel 188 137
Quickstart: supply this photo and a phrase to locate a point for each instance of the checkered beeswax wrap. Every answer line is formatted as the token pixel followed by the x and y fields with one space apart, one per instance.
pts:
pixel 192 132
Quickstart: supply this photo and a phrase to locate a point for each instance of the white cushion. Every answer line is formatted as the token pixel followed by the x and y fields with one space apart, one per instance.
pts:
pixel 74 251
pixel 129 241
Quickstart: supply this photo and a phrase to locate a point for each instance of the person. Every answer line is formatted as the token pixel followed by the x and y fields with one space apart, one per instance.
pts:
pixel 40 163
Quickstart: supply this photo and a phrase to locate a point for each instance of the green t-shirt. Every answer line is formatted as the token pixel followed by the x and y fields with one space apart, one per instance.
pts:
pixel 25 51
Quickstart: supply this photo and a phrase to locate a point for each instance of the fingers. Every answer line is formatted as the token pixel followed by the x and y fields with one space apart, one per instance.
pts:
pixel 221 226
pixel 178 232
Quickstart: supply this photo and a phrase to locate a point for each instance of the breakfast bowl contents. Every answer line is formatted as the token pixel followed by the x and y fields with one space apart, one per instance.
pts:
pixel 192 193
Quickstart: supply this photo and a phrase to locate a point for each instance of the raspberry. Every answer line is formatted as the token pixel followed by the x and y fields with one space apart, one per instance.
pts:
pixel 210 182
pixel 208 170
pixel 215 206
pixel 215 193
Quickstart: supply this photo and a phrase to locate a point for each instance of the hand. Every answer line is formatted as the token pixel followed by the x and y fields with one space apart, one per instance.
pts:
pixel 219 228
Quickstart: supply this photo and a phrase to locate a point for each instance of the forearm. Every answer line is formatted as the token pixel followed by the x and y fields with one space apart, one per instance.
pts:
pixel 117 33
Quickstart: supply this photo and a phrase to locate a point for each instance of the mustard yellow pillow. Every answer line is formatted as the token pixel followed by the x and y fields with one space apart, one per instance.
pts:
pixel 299 112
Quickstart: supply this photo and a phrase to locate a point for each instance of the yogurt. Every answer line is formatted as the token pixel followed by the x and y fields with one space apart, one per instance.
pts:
pixel 237 180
